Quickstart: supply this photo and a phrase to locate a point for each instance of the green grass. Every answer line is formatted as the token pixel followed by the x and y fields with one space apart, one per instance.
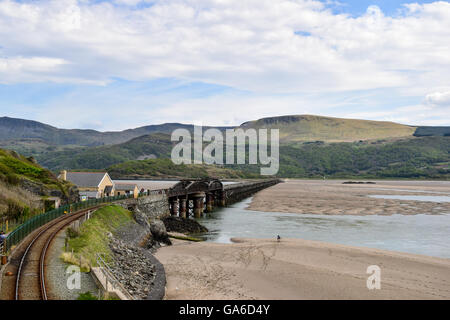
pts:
pixel 16 169
pixel 93 237
pixel 310 128
pixel 86 296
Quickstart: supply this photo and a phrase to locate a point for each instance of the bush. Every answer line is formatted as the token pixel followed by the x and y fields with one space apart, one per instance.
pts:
pixel 72 233
pixel 12 179
pixel 14 210
pixel 86 296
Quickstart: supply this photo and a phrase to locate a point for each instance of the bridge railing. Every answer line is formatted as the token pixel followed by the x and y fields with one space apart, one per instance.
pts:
pixel 156 192
pixel 39 220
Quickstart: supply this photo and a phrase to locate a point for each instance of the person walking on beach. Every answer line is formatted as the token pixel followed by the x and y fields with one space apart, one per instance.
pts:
pixel 278 238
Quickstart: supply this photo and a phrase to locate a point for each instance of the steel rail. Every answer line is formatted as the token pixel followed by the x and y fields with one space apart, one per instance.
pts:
pixel 67 220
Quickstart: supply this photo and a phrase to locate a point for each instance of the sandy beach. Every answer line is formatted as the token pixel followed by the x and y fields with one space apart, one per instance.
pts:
pixel 334 197
pixel 297 269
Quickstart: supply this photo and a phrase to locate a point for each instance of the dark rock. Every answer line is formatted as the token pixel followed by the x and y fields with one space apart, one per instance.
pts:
pixel 132 268
pixel 358 182
pixel 141 218
pixel 14 154
pixel 159 232
pixel 182 225
pixel 32 159
pixel 152 244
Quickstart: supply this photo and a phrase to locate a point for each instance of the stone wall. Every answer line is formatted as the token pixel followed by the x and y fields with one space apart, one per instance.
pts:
pixel 153 206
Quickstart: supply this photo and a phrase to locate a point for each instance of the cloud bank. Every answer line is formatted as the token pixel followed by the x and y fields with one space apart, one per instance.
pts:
pixel 265 47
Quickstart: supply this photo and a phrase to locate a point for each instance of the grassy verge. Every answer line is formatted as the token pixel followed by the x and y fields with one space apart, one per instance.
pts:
pixel 93 236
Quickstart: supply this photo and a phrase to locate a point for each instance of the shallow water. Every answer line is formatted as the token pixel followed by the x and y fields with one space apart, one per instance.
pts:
pixel 420 234
pixel 415 198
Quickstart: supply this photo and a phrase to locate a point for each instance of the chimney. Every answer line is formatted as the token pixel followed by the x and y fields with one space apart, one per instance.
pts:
pixel 63 175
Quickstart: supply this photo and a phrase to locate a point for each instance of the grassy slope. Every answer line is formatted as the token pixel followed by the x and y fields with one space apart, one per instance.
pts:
pixel 158 145
pixel 426 157
pixel 311 128
pixel 93 237
pixel 14 170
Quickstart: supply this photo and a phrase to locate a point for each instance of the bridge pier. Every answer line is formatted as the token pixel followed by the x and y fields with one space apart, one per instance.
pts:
pixel 173 206
pixel 183 206
pixel 221 199
pixel 198 204
pixel 209 202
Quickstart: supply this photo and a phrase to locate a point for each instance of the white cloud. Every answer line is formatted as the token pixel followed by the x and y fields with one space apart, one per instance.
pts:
pixel 26 69
pixel 441 99
pixel 250 45
pixel 260 47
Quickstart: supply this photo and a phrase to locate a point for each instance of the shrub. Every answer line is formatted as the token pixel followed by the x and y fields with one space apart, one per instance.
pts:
pixel 12 179
pixel 86 296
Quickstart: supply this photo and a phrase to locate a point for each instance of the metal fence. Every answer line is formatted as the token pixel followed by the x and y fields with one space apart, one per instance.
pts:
pixel 39 220
pixel 110 278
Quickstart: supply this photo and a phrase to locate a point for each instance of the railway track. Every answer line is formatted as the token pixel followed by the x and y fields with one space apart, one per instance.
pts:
pixel 30 261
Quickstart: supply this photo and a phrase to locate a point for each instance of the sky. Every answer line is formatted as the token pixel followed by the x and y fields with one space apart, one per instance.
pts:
pixel 119 64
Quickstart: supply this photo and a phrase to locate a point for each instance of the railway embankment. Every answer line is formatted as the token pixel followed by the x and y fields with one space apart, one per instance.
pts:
pixel 113 234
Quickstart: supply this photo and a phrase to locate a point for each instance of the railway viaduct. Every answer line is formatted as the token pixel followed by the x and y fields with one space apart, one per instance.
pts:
pixel 194 197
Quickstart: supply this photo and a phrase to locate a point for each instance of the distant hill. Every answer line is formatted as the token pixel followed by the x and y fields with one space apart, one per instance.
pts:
pixel 23 135
pixel 311 146
pixel 311 128
pixel 12 129
pixel 432 131
pixel 413 158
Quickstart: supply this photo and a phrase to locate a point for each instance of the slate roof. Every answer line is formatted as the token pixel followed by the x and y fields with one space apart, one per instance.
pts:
pixel 125 187
pixel 85 179
pixel 90 194
pixel 108 189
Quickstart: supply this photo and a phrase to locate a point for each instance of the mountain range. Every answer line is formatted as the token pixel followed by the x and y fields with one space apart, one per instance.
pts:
pixel 310 146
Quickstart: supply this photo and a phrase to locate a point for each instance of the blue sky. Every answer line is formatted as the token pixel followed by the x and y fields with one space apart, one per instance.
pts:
pixel 112 65
pixel 359 7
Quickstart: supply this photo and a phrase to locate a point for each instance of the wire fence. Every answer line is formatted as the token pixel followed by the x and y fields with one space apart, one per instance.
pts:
pixel 39 220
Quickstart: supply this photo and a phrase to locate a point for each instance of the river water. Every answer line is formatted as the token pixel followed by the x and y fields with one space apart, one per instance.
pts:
pixel 420 234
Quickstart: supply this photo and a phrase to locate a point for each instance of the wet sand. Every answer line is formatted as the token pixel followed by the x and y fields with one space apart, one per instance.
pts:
pixel 334 198
pixel 297 269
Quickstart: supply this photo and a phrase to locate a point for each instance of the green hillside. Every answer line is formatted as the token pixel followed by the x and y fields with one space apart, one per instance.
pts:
pixel 426 157
pixel 432 131
pixel 24 184
pixel 311 146
pixel 156 145
pixel 165 168
pixel 311 128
